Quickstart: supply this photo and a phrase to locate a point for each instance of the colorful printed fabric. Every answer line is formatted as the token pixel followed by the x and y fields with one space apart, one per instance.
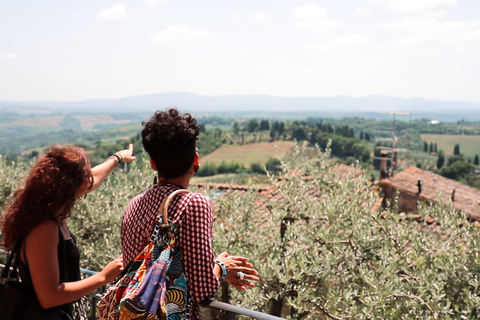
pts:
pixel 154 287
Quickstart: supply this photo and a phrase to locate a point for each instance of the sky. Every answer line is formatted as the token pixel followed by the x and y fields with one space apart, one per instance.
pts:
pixel 61 50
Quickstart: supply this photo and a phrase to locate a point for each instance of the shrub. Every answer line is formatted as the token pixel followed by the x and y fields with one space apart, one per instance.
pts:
pixel 322 253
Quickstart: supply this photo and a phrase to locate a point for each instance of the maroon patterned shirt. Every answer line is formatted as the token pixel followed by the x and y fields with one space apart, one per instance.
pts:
pixel 193 214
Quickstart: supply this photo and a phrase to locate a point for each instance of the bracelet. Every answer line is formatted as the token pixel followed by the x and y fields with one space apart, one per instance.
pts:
pixel 116 158
pixel 119 155
pixel 224 269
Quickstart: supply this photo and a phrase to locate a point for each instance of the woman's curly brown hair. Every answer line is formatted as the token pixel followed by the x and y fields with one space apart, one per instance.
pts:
pixel 51 189
pixel 170 137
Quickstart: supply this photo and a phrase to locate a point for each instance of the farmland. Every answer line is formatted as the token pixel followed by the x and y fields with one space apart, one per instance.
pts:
pixel 469 144
pixel 247 154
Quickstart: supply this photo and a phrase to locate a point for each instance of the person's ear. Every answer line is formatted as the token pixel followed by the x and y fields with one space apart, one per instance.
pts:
pixel 153 165
pixel 196 159
pixel 196 163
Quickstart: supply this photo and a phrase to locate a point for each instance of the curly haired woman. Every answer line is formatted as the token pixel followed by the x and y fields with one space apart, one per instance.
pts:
pixel 39 213
pixel 170 137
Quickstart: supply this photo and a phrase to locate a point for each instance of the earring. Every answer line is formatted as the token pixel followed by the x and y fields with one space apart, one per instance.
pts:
pixel 195 168
pixel 84 197
pixel 155 180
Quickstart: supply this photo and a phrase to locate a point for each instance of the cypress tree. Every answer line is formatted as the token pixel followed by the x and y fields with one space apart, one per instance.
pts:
pixel 456 150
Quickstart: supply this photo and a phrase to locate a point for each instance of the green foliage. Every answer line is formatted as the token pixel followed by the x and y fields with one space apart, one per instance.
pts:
pixel 457 169
pixel 333 258
pixel 211 140
pixel 69 122
pixel 341 146
pixel 96 221
pixel 320 250
pixel 456 150
pixel 440 159
pixel 253 125
pixel 11 175
pixel 453 159
pixel 299 134
pixel 211 169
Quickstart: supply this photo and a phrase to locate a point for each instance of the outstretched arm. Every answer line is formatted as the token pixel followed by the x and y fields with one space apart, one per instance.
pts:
pixel 102 171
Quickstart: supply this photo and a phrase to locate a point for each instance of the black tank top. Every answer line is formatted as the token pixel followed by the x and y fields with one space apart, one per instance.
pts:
pixel 68 263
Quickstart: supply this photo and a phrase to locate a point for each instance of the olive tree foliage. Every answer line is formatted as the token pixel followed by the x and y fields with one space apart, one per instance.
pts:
pixel 322 253
pixel 96 221
pixel 11 175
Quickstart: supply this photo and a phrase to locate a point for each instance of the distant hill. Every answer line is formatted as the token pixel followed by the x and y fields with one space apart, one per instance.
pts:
pixel 340 106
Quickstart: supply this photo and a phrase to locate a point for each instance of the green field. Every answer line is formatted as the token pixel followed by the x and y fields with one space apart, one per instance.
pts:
pixel 469 144
pixel 247 154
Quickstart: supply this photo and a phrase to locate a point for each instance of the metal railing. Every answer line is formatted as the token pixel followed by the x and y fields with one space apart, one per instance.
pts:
pixel 229 311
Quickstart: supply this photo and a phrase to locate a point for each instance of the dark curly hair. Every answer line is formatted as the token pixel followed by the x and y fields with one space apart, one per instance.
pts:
pixel 170 138
pixel 51 189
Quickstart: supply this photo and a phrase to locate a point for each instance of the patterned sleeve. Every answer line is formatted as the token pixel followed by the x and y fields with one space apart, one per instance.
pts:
pixel 137 225
pixel 198 256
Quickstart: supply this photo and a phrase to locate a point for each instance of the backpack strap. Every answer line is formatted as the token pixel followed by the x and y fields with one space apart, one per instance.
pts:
pixel 9 273
pixel 163 211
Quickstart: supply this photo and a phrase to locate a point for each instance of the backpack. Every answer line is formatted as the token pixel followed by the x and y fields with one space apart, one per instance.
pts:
pixel 154 285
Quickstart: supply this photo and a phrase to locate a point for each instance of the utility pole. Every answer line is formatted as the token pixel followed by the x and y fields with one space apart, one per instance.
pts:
pixel 394 140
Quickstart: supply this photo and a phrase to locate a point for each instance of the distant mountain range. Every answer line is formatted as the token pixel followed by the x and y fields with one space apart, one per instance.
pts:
pixel 339 106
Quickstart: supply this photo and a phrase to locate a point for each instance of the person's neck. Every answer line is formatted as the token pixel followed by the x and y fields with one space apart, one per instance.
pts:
pixel 182 181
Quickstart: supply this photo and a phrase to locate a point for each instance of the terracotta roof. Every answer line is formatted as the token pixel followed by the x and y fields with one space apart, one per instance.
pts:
pixel 434 186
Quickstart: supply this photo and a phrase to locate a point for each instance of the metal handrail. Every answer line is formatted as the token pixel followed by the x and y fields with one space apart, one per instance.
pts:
pixel 230 310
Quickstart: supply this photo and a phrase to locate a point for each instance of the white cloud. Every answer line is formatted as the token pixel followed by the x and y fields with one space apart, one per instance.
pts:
pixel 432 31
pixel 307 71
pixel 349 40
pixel 117 11
pixel 362 11
pixel 354 60
pixel 11 56
pixel 425 6
pixel 260 15
pixel 345 40
pixel 431 52
pixel 180 32
pixel 152 3
pixel 314 18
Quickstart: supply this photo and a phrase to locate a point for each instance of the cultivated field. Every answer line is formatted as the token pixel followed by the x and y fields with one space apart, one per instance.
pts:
pixel 89 121
pixel 247 154
pixel 469 144
pixel 38 121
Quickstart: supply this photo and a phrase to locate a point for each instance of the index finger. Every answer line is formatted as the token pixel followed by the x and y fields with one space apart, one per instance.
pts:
pixel 239 258
pixel 130 147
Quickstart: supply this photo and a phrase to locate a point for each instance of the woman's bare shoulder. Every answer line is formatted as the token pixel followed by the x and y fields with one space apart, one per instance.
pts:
pixel 45 230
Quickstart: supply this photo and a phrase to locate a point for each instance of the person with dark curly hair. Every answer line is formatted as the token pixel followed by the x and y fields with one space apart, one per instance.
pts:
pixel 170 138
pixel 38 215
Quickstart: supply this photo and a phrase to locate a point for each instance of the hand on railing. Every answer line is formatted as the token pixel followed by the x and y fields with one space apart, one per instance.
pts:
pixel 239 271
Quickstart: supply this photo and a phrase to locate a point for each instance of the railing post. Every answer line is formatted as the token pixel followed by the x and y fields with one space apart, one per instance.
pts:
pixel 225 297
